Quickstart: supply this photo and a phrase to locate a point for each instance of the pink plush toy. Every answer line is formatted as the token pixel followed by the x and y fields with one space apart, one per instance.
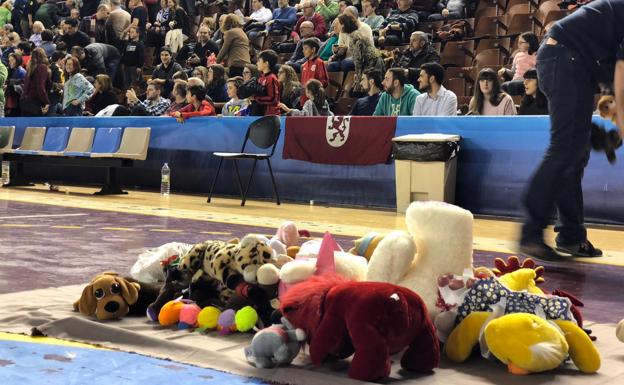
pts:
pixel 287 234
pixel 188 316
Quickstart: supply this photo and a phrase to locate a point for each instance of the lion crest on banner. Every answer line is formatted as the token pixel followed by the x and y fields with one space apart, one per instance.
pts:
pixel 337 130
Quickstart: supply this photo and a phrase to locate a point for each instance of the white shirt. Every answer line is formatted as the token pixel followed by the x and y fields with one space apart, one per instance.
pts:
pixel 262 15
pixel 444 104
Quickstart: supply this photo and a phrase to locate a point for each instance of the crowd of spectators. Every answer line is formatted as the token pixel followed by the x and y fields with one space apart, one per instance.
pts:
pixel 185 58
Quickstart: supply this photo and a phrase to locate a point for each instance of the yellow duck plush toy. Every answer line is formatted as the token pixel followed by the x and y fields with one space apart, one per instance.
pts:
pixel 495 314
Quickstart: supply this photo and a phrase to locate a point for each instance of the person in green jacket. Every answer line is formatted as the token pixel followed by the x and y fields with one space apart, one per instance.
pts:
pixel 5 13
pixel 328 9
pixel 3 77
pixel 399 97
pixel 48 14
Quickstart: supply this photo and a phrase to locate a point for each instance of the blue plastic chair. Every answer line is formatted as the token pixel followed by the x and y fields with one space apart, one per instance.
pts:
pixel 107 140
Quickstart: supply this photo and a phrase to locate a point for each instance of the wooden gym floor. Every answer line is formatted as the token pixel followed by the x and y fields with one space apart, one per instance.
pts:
pixel 490 234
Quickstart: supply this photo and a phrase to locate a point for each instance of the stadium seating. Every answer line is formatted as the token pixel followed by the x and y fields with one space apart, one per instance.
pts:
pixel 106 147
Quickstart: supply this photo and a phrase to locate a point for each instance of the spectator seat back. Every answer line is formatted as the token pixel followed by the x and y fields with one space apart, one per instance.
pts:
pixel 6 138
pixel 32 140
pixel 134 145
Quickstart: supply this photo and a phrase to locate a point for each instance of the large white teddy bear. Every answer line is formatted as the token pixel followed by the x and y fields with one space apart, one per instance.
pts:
pixel 439 242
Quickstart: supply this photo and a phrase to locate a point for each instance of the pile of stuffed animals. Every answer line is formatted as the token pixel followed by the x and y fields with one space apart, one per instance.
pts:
pixel 415 292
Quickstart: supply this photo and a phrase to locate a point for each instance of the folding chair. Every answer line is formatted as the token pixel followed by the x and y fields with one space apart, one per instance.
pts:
pixel 263 133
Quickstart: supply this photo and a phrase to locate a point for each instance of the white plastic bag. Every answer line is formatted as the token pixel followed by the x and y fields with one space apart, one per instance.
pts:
pixel 148 266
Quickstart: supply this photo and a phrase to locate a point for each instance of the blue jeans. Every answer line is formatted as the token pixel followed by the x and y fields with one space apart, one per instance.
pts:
pixel 344 65
pixel 72 110
pixel 569 87
pixel 111 67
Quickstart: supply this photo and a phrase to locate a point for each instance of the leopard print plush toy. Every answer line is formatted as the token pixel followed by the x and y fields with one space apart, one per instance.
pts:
pixel 228 264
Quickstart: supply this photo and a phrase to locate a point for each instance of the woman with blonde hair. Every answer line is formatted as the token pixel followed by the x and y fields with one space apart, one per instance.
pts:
pixel 35 37
pixel 235 49
pixel 291 88
pixel 201 72
pixel 35 100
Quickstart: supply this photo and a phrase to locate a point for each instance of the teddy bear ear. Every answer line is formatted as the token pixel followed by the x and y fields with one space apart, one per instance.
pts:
pixel 129 290
pixel 87 302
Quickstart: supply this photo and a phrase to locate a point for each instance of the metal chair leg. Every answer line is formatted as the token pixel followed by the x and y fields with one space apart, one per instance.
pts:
pixel 253 168
pixel 214 180
pixel 238 179
pixel 273 180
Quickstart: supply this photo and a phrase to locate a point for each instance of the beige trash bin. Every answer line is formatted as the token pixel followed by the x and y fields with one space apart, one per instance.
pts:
pixel 418 180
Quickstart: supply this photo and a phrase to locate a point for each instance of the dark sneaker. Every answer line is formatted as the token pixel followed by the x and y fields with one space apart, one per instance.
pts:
pixel 584 249
pixel 540 251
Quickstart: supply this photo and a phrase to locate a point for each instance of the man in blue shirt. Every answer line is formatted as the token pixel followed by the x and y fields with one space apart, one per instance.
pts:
pixel 582 50
pixel 284 17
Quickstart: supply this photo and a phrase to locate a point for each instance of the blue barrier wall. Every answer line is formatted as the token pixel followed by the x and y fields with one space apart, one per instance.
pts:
pixel 497 157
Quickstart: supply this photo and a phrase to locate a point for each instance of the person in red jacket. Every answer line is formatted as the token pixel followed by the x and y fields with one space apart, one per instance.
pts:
pixel 267 104
pixel 314 67
pixel 197 106
pixel 320 29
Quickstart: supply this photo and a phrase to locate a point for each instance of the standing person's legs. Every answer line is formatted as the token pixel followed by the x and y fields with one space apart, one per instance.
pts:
pixel 570 219
pixel 568 87
pixel 112 67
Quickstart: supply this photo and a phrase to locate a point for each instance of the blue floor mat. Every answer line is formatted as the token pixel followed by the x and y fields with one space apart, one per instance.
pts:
pixel 27 363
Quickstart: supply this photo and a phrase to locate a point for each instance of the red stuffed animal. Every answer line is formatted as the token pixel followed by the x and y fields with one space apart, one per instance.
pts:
pixel 371 319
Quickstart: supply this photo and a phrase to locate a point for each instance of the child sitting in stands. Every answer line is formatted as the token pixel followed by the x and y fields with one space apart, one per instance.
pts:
pixel 316 103
pixel 198 105
pixel 234 106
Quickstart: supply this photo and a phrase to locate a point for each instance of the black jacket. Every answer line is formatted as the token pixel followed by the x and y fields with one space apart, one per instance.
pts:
pixel 101 100
pixel 166 73
pixel 413 61
pixel 407 19
pixel 134 54
pixel 79 39
pixel 365 106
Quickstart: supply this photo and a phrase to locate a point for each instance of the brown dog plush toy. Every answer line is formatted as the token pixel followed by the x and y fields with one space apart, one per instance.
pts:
pixel 109 296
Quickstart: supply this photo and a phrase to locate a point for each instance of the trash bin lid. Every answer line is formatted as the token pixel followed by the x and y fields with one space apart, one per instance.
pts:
pixel 427 138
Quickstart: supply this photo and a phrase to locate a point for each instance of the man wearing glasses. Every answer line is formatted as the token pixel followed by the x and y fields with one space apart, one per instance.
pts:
pixel 309 14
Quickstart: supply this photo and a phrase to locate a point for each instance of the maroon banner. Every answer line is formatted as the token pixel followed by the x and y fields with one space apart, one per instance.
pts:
pixel 349 140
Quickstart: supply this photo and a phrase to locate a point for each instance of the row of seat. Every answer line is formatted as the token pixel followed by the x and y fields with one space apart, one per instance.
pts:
pixel 105 142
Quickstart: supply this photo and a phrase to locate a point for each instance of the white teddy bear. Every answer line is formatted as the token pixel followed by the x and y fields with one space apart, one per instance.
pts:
pixel 439 242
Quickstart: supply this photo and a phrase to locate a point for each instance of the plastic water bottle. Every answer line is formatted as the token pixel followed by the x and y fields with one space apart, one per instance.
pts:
pixel 6 173
pixel 165 180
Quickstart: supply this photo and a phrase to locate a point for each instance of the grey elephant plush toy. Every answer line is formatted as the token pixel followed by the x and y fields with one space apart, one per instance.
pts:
pixel 276 345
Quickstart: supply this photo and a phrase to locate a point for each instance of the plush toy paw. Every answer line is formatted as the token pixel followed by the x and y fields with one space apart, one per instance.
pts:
pixel 512 264
pixel 619 331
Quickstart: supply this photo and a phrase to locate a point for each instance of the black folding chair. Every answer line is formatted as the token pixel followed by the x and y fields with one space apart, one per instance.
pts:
pixel 263 133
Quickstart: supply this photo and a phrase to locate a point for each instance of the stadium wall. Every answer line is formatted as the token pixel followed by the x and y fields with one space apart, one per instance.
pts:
pixel 497 157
